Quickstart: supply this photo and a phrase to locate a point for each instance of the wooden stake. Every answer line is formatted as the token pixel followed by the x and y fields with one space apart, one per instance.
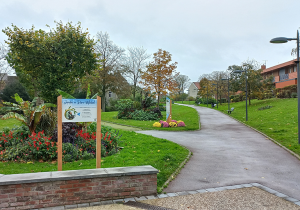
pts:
pixel 98 134
pixel 59 133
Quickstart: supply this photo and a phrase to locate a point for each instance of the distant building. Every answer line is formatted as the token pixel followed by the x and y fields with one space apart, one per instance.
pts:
pixel 5 79
pixel 193 89
pixel 285 74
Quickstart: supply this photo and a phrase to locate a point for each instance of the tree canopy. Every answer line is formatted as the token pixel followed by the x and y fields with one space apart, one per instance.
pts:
pixel 160 74
pixel 46 61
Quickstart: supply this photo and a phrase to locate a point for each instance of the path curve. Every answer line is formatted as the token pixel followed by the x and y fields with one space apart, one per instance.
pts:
pixel 226 152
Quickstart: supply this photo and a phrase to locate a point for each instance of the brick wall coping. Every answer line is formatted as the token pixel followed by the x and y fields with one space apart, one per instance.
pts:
pixel 75 174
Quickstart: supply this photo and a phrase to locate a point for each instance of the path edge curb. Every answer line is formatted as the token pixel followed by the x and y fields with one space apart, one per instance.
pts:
pixel 176 172
pixel 273 140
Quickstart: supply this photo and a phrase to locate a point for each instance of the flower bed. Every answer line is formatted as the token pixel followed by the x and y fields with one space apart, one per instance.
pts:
pixel 19 145
pixel 172 124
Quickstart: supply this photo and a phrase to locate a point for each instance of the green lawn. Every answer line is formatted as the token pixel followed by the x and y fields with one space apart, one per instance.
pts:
pixel 139 149
pixel 9 123
pixel 280 122
pixel 187 114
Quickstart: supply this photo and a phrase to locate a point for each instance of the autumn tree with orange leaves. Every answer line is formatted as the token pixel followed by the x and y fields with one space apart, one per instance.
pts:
pixel 160 74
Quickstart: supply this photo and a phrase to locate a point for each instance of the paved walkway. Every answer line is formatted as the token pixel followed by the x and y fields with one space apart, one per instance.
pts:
pixel 226 152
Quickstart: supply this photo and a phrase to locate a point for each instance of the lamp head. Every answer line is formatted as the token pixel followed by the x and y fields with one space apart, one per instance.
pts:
pixel 280 40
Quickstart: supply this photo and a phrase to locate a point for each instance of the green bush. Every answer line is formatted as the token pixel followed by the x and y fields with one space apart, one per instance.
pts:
pixel 144 115
pixel 124 107
pixel 294 95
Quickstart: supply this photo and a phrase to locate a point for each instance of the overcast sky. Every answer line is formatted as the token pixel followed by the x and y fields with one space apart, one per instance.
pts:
pixel 202 35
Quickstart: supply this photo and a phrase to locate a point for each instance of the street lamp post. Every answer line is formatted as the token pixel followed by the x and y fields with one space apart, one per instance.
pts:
pixel 246 91
pixel 280 40
pixel 217 93
pixel 228 95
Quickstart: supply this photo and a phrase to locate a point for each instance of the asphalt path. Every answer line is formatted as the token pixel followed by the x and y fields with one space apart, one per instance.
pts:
pixel 226 152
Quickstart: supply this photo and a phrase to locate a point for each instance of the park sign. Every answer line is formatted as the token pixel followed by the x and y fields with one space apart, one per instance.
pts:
pixel 79 110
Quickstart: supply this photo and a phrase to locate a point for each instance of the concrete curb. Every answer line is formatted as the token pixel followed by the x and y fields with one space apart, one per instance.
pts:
pixel 294 154
pixel 173 176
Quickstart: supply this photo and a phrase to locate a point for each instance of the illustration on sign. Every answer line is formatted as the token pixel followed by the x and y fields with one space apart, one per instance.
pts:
pixel 79 110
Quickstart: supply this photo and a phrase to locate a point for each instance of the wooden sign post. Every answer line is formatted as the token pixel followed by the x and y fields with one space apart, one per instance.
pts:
pixel 78 110
pixel 98 134
pixel 59 133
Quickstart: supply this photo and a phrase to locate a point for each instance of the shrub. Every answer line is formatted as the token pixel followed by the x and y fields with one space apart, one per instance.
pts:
pixel 158 111
pixel 294 95
pixel 124 107
pixel 69 131
pixel 144 115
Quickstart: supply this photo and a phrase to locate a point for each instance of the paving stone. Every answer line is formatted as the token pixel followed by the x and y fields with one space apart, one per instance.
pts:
pixel 291 199
pixel 220 188
pixel 256 184
pixel 238 186
pixel 162 196
pixel 81 205
pixel 192 192
pixel 211 190
pixel 230 187
pixel 107 202
pixel 128 199
pixel 53 208
pixel 152 197
pixel 281 195
pixel 95 204
pixel 118 201
pixel 247 185
pixel 172 194
pixel 298 203
pixel 140 198
pixel 182 193
pixel 71 206
pixel 201 191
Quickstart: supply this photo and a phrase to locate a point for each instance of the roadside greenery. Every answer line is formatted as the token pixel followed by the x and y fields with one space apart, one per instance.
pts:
pixel 138 149
pixel 186 114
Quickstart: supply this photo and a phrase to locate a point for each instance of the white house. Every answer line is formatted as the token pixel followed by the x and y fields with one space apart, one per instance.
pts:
pixel 193 89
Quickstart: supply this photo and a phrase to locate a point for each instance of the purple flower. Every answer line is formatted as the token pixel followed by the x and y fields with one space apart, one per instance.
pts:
pixel 181 124
pixel 174 121
pixel 165 124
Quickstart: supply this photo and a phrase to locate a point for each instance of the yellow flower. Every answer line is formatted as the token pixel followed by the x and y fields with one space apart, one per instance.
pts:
pixel 173 124
pixel 157 124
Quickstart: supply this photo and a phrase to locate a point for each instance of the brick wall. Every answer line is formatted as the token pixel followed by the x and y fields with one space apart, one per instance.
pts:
pixel 74 191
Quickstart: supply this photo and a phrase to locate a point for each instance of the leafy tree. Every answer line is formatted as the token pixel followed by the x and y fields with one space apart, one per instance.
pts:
pixel 134 64
pixel 31 113
pixel 255 82
pixel 104 78
pixel 183 82
pixel 10 90
pixel 45 61
pixel 160 74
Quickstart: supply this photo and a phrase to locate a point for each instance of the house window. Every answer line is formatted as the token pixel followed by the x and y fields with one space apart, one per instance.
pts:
pixel 295 68
pixel 290 70
pixel 109 94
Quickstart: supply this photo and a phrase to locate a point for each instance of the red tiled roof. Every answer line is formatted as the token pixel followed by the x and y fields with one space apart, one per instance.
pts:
pixel 197 84
pixel 289 63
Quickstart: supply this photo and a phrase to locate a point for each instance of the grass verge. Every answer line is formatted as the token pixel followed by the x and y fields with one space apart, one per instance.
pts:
pixel 280 121
pixel 187 114
pixel 139 149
